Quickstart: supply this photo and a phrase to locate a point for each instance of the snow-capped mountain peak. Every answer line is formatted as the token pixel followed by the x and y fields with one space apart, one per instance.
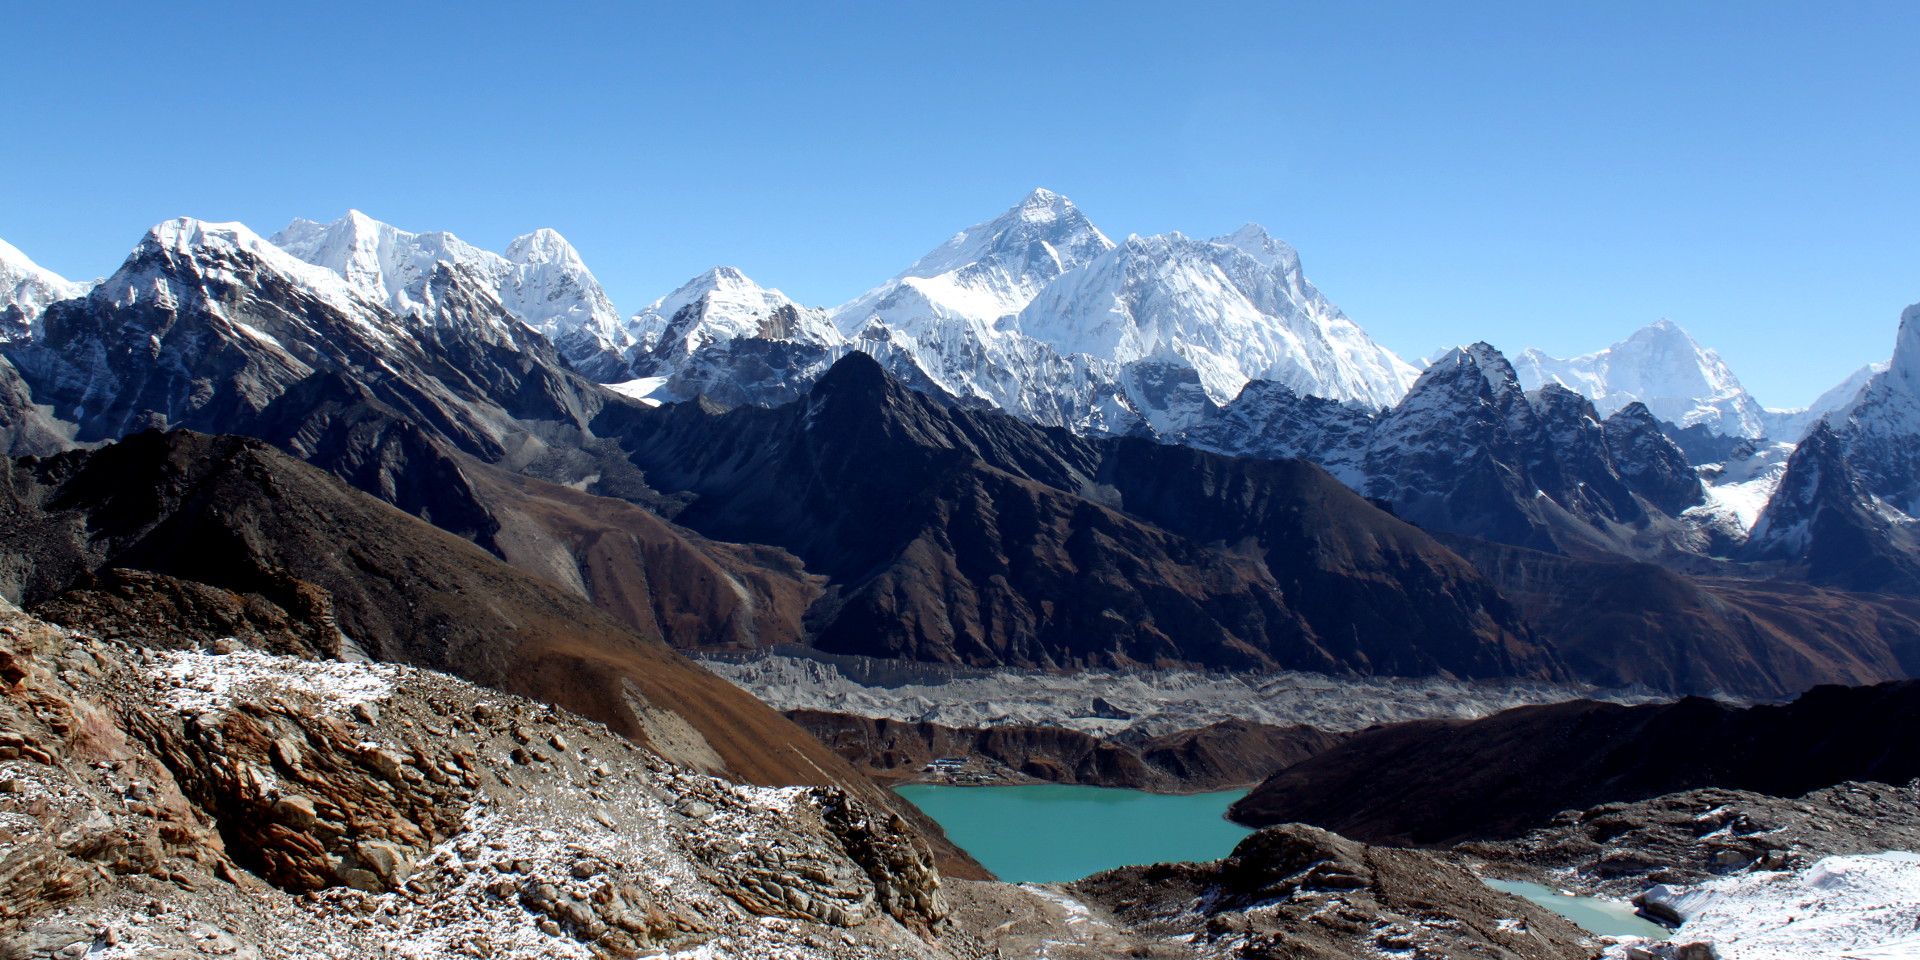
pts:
pixel 1044 226
pixel 544 245
pixel 231 252
pixel 1905 366
pixel 724 304
pixel 1662 366
pixel 1254 241
pixel 1233 309
pixel 26 288
pixel 541 280
pixel 983 273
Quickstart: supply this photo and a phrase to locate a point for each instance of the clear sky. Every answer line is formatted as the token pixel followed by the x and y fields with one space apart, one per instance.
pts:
pixel 1530 174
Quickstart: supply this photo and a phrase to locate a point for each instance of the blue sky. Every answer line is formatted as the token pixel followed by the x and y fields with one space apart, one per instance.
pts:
pixel 1551 175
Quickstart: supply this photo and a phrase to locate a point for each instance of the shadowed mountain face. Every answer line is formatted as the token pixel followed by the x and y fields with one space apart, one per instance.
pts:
pixel 1622 622
pixel 1443 781
pixel 1830 529
pixel 959 537
pixel 237 515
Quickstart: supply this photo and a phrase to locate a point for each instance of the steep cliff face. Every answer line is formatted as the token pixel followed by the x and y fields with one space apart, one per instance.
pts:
pixel 1825 522
pixel 976 538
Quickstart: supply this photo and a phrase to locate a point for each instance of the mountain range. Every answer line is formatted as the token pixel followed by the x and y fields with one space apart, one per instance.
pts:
pixel 349 451
pixel 717 448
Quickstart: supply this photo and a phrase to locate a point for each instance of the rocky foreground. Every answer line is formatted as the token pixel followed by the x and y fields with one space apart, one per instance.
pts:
pixel 181 803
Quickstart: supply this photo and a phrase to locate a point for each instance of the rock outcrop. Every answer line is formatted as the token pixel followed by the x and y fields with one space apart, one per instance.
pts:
pixel 1296 891
pixel 1620 849
pixel 263 806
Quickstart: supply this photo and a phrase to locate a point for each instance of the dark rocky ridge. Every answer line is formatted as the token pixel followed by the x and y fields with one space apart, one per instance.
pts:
pixel 1218 756
pixel 1439 782
pixel 1827 527
pixel 973 538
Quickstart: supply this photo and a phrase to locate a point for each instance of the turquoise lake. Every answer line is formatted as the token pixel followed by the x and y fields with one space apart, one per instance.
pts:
pixel 1047 833
pixel 1594 916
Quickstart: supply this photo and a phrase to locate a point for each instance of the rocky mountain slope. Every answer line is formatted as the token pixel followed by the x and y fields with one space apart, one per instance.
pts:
pixel 253 805
pixel 164 799
pixel 1689 837
pixel 1295 891
pixel 233 535
pixel 990 541
pixel 1618 622
pixel 1439 782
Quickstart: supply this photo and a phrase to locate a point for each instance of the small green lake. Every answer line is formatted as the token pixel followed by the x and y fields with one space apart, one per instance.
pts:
pixel 1595 916
pixel 1047 833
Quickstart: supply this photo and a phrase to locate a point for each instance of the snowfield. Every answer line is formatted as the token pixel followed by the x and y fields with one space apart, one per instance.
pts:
pixel 1841 907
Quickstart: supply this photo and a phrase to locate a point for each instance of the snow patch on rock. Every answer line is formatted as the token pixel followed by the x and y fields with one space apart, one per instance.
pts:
pixel 203 682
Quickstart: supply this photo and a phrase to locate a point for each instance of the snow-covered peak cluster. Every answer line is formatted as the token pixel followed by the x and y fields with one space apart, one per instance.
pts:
pixel 1234 309
pixel 1038 313
pixel 1663 367
pixel 983 273
pixel 1034 311
pixel 228 253
pixel 541 279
